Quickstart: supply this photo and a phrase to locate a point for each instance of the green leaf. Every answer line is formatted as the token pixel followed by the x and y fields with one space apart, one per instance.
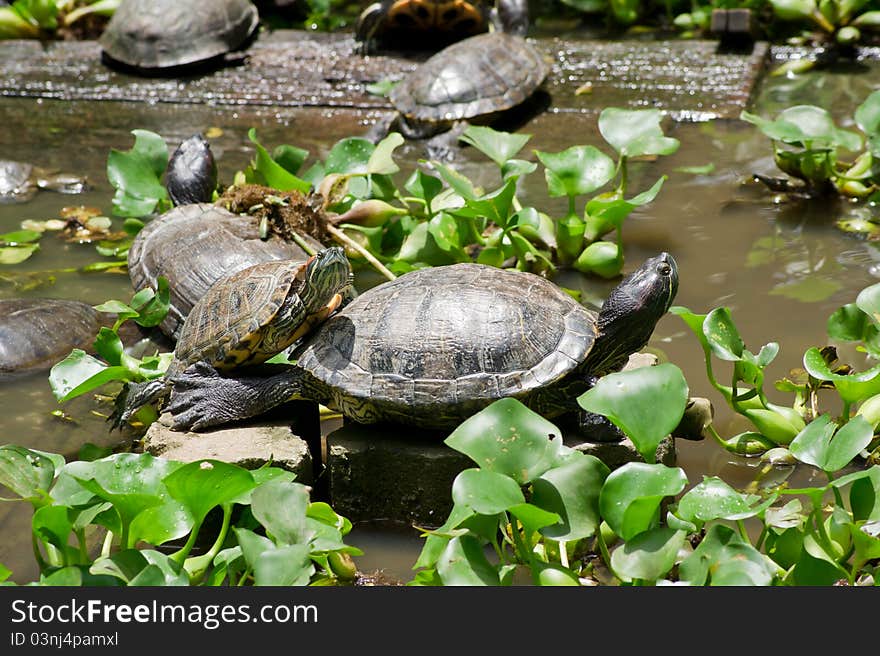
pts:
pixel 20 237
pixel 806 126
pixel 722 335
pixel 611 212
pixel 153 312
pixel 576 170
pixel 851 387
pixel 532 517
pixel 630 499
pixel 487 492
pixel 497 146
pixel 350 155
pixel 645 403
pixel 864 497
pixel 290 157
pixel 17 254
pixel 635 132
pixel 724 558
pixel 649 555
pixel 202 485
pixel 847 323
pixel 508 438
pixel 820 445
pixel 463 562
pixel 715 499
pixel 424 186
pixel 79 373
pixel 280 506
pixel 868 113
pixel 868 301
pixel 284 566
pixel 136 174
pixel 270 173
pixel 381 161
pixel 109 346
pixel 571 491
pixel 27 473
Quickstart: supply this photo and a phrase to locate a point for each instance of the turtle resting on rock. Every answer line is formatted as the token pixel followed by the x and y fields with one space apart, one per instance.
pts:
pixel 248 317
pixel 162 36
pixel 432 24
pixel 439 344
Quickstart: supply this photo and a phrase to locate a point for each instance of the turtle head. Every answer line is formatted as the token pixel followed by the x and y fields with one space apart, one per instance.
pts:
pixel 631 312
pixel 325 274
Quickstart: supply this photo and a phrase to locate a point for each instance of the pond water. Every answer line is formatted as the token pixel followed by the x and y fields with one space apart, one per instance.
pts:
pixel 780 265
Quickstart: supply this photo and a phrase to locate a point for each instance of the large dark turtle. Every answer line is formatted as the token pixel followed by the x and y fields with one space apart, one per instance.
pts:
pixel 153 35
pixel 248 317
pixel 193 246
pixel 472 80
pixel 37 332
pixel 19 181
pixel 432 24
pixel 439 344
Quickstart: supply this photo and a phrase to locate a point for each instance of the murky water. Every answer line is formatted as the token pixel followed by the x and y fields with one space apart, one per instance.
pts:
pixel 781 266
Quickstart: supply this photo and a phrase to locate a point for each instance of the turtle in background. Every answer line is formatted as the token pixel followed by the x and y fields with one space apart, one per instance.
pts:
pixel 19 181
pixel 247 318
pixel 433 24
pixel 164 37
pixel 437 345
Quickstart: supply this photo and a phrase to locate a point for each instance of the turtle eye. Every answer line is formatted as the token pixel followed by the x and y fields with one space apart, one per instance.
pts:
pixel 664 269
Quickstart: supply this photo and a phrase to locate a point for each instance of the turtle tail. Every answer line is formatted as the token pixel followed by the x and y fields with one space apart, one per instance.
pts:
pixel 135 395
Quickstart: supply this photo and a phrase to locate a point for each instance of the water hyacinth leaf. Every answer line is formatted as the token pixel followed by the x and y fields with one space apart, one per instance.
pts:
pixel 532 517
pixel 807 126
pixel 136 174
pixel 123 565
pixel 576 170
pixel 517 168
pixel 867 114
pixel 612 211
pixel 864 499
pixel 851 387
pixel 715 499
pixel 281 508
pixel 810 289
pixel 205 484
pixel 649 555
pixel 53 525
pixel 848 323
pixel 420 246
pixel 161 571
pixel 497 146
pixel 108 345
pixel 749 443
pixel 821 446
pixel 154 310
pixel 381 161
pixel 120 309
pixel 794 10
pixel 645 403
pixel 631 496
pixel 724 558
pixel 457 182
pixel 163 522
pixel 349 155
pixel 27 473
pixel 722 335
pixel 495 206
pixel 290 157
pixel 17 254
pixel 510 439
pixel 267 171
pixel 20 237
pixel 5 572
pixel 284 566
pixel 423 185
pixel 463 562
pixel 635 132
pixel 79 373
pixel 252 545
pixel 868 301
pixel 487 492
pixel 788 516
pixel 572 492
pixel 549 574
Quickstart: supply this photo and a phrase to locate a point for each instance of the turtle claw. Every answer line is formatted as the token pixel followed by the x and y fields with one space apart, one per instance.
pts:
pixel 195 404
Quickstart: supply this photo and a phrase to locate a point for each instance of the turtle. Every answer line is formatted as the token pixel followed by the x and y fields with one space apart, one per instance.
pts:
pixel 37 332
pixel 158 36
pixel 191 174
pixel 193 246
pixel 432 24
pixel 19 181
pixel 248 317
pixel 472 80
pixel 437 345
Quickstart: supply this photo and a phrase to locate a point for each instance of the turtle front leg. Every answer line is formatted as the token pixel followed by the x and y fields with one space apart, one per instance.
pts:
pixel 202 398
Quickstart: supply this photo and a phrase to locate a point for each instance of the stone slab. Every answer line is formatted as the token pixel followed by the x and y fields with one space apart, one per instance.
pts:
pixel 250 446
pixel 688 79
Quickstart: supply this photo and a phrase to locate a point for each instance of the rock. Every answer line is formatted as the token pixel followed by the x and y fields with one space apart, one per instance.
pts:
pixel 637 360
pixel 615 454
pixel 384 473
pixel 249 446
pixel 698 414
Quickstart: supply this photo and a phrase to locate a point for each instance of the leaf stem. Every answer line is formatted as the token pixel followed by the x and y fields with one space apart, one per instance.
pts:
pixel 341 237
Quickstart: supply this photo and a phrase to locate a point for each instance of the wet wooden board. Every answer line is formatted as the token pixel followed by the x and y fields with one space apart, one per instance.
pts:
pixel 690 80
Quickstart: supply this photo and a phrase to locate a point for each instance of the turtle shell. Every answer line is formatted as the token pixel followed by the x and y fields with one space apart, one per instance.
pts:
pixel 480 75
pixel 193 246
pixel 35 333
pixel 225 327
pixel 156 34
pixel 438 344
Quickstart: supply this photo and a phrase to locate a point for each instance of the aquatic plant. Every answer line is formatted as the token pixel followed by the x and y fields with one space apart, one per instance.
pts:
pixel 149 514
pixel 34 19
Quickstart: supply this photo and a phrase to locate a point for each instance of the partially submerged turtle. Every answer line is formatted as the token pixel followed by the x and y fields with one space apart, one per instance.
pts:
pixel 151 36
pixel 430 24
pixel 19 181
pixel 472 80
pixel 439 344
pixel 248 317
pixel 35 333
pixel 195 245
